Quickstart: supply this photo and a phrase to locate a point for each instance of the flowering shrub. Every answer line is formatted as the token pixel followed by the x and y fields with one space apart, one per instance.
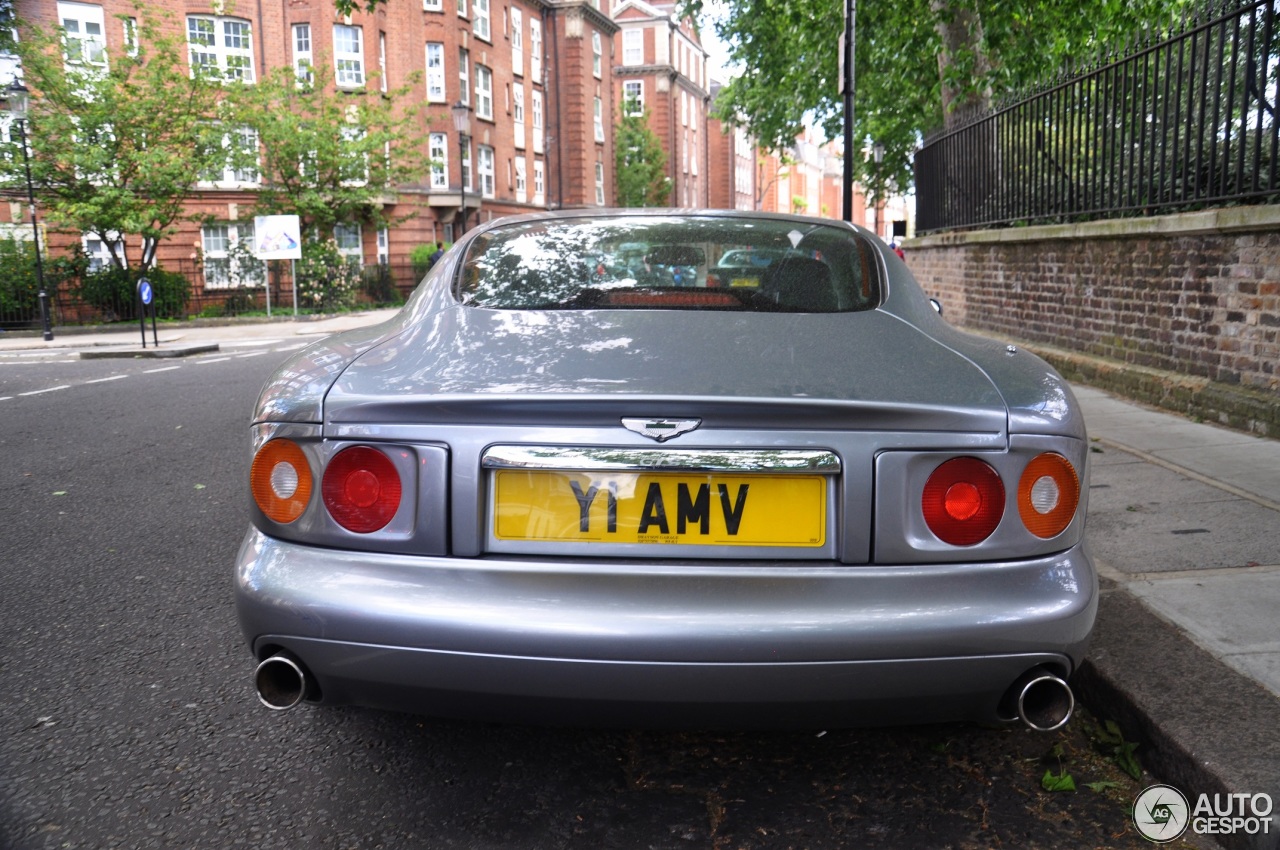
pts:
pixel 326 279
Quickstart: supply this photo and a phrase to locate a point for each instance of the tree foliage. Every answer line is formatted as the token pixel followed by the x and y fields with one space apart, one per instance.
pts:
pixel 641 164
pixel 911 57
pixel 113 149
pixel 331 157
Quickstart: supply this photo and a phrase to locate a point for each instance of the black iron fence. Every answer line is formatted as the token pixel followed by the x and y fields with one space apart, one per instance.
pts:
pixel 191 291
pixel 1181 122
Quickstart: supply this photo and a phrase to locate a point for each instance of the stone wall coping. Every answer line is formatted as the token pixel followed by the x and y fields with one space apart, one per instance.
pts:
pixel 1221 220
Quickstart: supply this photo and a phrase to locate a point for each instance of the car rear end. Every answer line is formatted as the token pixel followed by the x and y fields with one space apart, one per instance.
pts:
pixel 680 512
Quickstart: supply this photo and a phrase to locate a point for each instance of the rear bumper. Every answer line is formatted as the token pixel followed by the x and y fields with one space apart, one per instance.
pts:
pixel 665 643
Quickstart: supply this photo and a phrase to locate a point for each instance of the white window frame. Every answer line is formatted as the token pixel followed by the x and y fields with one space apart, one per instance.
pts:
pixel 96 250
pixel 517 114
pixel 633 93
pixel 348 63
pixel 438 150
pixel 350 241
pixel 84 39
pixel 485 170
pixel 129 35
pixel 229 177
pixel 230 50
pixel 517 42
pixel 462 8
pixel 536 108
pixel 383 248
pixel 303 54
pixel 466 167
pixel 464 75
pixel 597 107
pixel 435 72
pixel 484 92
pixel 522 180
pixel 382 62
pixel 480 24
pixel 599 183
pixel 535 49
pixel 597 54
pixel 539 182
pixel 633 47
pixel 433 5
pixel 216 243
pixel 351 133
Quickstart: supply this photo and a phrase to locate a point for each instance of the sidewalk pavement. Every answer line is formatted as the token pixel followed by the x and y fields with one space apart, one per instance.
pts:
pixel 1184 524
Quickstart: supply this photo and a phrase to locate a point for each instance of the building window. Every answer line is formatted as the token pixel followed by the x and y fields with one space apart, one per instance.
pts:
pixel 539 182
pixel 633 47
pixel 350 243
pixel 600 184
pixel 484 92
pixel 228 264
pixel 433 5
pixel 522 181
pixel 98 252
pixel 517 42
pixel 83 40
pixel 348 56
pixel 517 114
pixel 633 97
pixel 382 62
pixel 462 8
pixel 466 166
pixel 597 54
pixel 486 171
pixel 535 50
pixel 240 168
pixel 438 150
pixel 303 66
pixel 537 121
pixel 435 72
pixel 598 107
pixel 130 35
pixel 480 19
pixel 222 46
pixel 464 75
pixel 384 247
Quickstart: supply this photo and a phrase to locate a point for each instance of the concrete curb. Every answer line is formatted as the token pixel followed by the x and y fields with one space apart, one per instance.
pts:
pixel 1202 727
pixel 132 352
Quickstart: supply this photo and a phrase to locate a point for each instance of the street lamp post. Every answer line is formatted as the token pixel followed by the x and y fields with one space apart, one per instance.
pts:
pixel 462 123
pixel 19 101
pixel 877 154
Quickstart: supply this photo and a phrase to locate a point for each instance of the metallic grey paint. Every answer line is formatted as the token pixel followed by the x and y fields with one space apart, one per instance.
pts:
pixel 885 624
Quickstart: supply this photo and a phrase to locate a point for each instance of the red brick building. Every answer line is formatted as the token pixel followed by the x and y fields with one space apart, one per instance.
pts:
pixel 661 68
pixel 536 76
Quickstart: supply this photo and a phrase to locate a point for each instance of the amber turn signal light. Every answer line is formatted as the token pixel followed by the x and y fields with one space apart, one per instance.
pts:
pixel 280 479
pixel 1048 495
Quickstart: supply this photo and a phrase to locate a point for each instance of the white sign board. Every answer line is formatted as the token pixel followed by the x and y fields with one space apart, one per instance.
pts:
pixel 277 237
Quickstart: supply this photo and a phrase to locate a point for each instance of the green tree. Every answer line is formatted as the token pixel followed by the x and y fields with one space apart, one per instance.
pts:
pixel 640 162
pixel 115 138
pixel 332 157
pixel 920 64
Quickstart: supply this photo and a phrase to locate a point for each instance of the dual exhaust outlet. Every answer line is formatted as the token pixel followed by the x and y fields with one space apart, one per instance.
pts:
pixel 1039 698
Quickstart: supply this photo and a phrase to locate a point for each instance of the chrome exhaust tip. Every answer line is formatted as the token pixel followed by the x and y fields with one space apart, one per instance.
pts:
pixel 280 682
pixel 1042 700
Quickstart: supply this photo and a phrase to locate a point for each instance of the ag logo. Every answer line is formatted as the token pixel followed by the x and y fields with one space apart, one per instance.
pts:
pixel 1161 813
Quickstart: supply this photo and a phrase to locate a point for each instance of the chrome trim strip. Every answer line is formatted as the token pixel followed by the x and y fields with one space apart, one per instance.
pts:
pixel 650 460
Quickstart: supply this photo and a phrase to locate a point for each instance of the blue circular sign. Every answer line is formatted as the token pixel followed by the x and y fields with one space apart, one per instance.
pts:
pixel 144 290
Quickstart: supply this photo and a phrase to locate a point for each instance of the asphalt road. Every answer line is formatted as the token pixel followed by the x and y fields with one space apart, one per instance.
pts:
pixel 127 718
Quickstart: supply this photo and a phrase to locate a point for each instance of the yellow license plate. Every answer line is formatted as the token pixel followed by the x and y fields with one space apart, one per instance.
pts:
pixel 745 281
pixel 689 508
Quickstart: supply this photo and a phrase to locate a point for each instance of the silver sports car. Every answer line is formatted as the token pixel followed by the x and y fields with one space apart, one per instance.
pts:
pixel 560 487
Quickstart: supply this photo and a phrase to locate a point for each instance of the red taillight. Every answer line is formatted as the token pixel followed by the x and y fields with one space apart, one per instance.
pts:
pixel 361 489
pixel 280 479
pixel 1048 495
pixel 963 501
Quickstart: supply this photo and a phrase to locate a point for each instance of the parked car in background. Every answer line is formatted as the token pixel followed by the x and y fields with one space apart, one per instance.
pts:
pixel 553 489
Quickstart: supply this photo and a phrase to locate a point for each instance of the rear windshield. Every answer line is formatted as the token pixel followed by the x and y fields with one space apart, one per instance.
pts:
pixel 672 263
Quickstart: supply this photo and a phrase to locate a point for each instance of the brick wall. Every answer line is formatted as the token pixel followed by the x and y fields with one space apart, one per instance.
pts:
pixel 1194 295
